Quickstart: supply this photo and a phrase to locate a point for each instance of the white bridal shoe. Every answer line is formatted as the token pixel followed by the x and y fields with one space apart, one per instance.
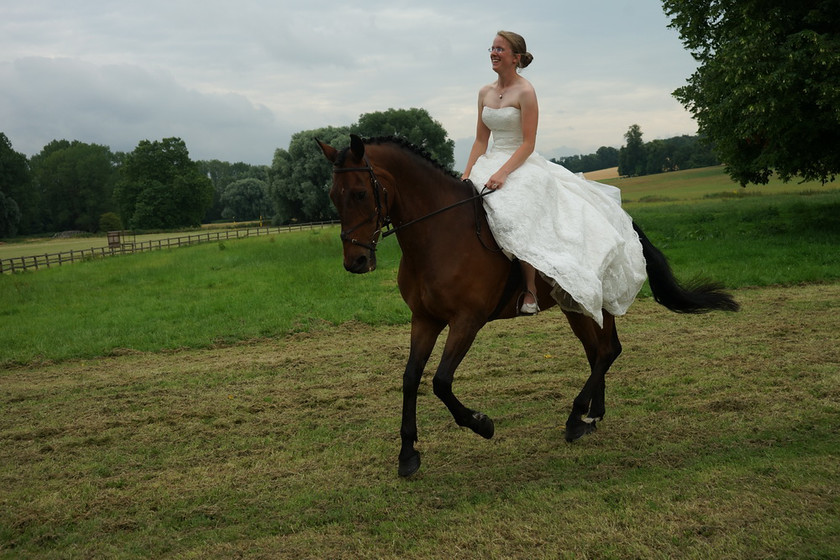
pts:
pixel 529 308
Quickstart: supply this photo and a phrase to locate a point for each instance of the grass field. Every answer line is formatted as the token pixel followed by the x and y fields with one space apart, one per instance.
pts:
pixel 242 399
pixel 721 441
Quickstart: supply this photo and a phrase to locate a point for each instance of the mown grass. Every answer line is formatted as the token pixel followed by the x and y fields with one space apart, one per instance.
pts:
pixel 720 442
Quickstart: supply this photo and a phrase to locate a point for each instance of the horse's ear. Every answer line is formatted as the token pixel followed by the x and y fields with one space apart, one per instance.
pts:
pixel 329 152
pixel 357 146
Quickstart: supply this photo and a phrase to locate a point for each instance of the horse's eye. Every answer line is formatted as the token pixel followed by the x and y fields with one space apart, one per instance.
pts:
pixel 359 195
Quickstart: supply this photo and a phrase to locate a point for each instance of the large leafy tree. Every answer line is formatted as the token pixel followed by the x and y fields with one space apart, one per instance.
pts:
pixel 301 176
pixel 246 199
pixel 767 89
pixel 15 185
pixel 161 187
pixel 75 181
pixel 415 125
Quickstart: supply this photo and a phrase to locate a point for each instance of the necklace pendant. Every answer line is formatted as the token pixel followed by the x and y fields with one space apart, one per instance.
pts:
pixel 500 96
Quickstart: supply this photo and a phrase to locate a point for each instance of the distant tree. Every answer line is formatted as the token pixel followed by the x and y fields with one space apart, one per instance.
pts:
pixel 631 157
pixel 222 174
pixel 110 221
pixel 301 176
pixel 9 216
pixel 415 125
pixel 161 187
pixel 15 191
pixel 606 157
pixel 767 89
pixel 659 157
pixel 76 183
pixel 246 199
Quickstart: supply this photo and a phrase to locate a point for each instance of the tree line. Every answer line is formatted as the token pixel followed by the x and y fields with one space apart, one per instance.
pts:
pixel 638 157
pixel 72 185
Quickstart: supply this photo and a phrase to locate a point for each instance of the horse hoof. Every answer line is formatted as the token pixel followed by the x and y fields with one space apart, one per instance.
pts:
pixel 483 425
pixel 574 433
pixel 409 466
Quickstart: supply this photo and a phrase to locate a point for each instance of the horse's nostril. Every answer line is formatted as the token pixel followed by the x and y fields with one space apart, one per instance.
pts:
pixel 359 265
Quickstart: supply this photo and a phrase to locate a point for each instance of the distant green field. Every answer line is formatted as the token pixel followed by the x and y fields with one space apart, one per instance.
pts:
pixel 261 287
pixel 706 182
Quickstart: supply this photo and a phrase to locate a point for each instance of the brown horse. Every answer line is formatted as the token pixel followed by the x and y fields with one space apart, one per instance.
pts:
pixel 453 274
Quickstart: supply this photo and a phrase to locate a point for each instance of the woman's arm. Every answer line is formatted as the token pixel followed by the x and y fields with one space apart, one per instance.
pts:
pixel 482 136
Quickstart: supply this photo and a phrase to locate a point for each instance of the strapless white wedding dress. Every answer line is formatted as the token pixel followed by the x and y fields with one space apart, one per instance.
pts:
pixel 572 230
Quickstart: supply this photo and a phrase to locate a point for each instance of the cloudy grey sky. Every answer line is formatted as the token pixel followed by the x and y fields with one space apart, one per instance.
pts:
pixel 235 79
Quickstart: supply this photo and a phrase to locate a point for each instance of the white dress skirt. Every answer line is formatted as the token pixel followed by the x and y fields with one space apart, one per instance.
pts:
pixel 572 230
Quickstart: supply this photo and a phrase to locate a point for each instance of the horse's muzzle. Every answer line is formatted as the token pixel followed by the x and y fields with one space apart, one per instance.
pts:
pixel 365 262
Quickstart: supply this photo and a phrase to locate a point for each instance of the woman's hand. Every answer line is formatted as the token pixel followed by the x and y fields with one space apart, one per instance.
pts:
pixel 497 180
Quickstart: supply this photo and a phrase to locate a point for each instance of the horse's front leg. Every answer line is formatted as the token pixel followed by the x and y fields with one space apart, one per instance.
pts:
pixel 423 337
pixel 457 344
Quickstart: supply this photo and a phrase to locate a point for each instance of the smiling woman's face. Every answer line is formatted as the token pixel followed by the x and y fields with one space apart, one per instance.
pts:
pixel 501 53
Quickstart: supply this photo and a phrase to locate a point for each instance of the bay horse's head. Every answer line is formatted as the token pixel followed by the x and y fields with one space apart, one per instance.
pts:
pixel 361 201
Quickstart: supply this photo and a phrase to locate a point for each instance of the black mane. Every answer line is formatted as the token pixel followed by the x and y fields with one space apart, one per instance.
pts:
pixel 401 142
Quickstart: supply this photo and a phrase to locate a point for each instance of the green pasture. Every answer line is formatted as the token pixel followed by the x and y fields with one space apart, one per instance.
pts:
pixel 703 183
pixel 220 293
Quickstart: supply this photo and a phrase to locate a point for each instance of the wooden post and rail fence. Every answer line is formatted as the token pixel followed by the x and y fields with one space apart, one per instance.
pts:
pixel 121 243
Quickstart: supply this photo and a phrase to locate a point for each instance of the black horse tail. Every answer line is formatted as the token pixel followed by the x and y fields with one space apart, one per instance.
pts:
pixel 696 297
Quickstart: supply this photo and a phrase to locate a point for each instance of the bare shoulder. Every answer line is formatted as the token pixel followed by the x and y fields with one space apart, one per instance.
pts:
pixel 526 95
pixel 526 88
pixel 482 93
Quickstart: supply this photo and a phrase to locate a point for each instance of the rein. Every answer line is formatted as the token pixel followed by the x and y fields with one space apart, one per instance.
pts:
pixel 386 223
pixel 484 192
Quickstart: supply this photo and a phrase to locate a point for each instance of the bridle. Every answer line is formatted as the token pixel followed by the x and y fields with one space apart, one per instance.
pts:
pixel 381 214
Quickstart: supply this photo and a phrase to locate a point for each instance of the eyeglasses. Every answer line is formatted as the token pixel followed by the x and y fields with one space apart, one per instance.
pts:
pixel 497 50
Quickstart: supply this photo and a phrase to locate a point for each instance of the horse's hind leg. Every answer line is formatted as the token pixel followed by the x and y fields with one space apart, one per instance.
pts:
pixel 457 344
pixel 597 407
pixel 602 348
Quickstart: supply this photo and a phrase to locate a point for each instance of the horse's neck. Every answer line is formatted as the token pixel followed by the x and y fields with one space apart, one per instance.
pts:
pixel 434 220
pixel 423 189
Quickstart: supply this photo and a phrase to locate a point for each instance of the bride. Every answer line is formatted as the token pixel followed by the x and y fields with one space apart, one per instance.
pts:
pixel 573 231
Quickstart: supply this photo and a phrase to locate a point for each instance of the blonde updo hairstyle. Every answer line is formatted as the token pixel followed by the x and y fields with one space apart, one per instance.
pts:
pixel 517 44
